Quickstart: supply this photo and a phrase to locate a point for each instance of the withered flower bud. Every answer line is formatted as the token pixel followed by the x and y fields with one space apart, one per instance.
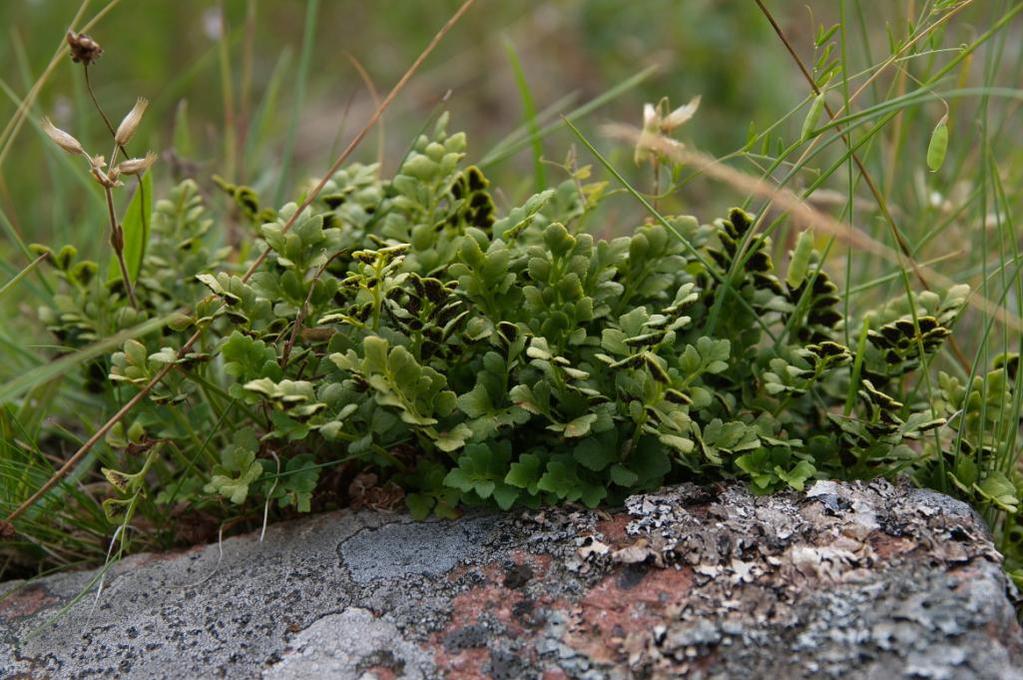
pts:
pixel 62 139
pixel 130 124
pixel 658 121
pixel 83 48
pixel 680 115
pixel 136 166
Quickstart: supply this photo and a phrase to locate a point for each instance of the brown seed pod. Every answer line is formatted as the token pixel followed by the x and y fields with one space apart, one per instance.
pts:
pixel 83 48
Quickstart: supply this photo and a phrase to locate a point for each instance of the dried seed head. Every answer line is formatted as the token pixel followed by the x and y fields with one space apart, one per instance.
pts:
pixel 136 166
pixel 62 139
pixel 126 130
pixel 106 179
pixel 83 48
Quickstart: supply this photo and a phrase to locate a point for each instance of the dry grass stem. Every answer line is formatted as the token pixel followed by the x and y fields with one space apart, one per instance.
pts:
pixel 802 212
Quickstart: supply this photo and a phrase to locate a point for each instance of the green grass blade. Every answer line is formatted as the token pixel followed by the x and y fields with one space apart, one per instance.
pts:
pixel 46 372
pixel 136 230
pixel 20 275
pixel 529 111
pixel 260 124
pixel 508 148
pixel 182 135
pixel 305 59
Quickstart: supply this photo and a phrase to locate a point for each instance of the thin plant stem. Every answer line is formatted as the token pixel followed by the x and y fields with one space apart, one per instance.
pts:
pixel 116 232
pixel 117 242
pixel 95 101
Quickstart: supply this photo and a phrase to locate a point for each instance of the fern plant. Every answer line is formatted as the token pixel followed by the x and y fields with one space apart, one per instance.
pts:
pixel 403 328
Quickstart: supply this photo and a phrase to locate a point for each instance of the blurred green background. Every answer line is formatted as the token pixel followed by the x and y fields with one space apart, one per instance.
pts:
pixel 265 92
pixel 170 51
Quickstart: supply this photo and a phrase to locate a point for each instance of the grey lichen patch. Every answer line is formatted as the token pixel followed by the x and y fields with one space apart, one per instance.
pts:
pixel 933 503
pixel 924 626
pixel 403 549
pixel 187 615
pixel 348 644
pixel 841 582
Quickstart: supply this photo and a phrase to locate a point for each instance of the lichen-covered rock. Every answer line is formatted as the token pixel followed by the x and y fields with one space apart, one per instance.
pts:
pixel 864 580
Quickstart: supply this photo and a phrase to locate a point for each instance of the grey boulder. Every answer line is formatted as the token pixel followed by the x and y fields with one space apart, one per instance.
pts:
pixel 846 580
